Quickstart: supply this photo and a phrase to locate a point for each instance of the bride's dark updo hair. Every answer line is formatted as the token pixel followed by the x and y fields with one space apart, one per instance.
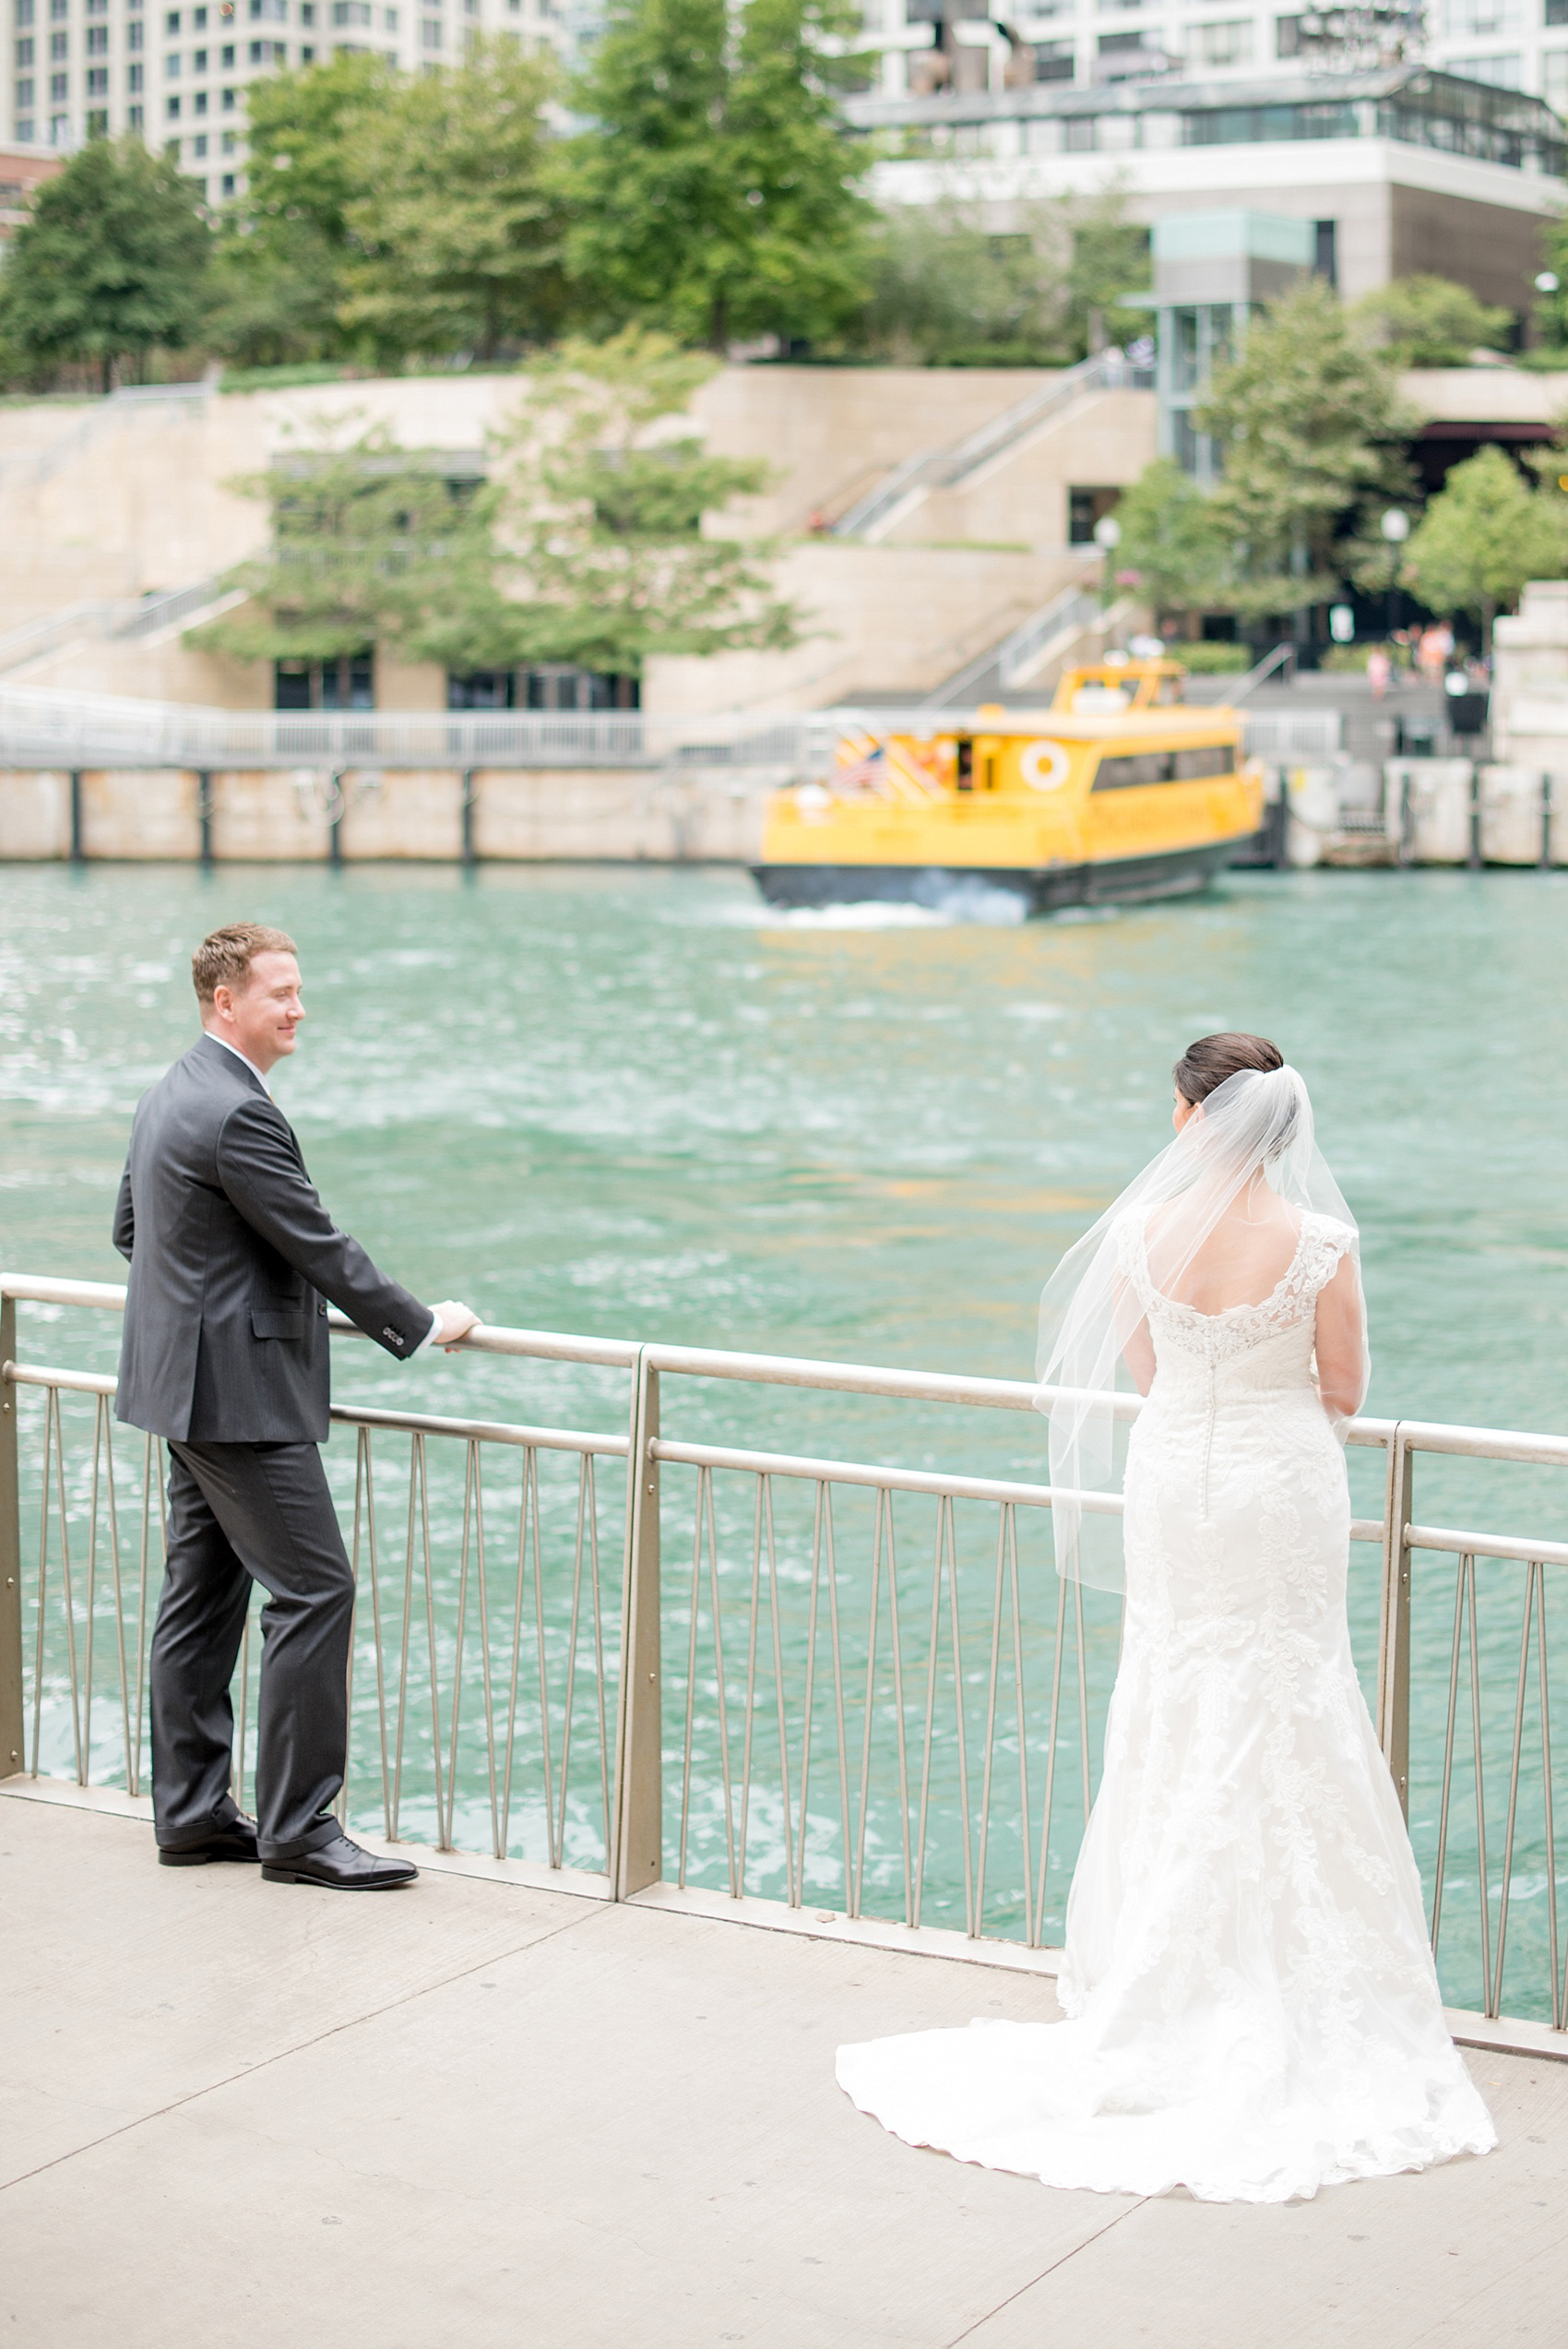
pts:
pixel 1213 1058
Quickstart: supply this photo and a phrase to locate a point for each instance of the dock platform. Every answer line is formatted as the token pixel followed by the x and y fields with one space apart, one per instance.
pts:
pixel 256 2115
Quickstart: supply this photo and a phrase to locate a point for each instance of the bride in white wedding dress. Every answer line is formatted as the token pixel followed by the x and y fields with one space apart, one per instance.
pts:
pixel 1254 2008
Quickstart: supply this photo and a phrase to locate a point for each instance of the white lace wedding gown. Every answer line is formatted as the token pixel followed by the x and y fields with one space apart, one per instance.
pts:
pixel 1254 2008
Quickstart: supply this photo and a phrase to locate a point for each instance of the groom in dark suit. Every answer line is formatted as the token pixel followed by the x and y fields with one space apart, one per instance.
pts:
pixel 225 1356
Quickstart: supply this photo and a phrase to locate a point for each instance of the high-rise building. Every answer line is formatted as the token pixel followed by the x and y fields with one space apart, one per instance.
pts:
pixel 178 75
pixel 926 46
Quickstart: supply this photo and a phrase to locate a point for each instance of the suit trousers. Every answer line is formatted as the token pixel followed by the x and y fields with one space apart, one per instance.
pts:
pixel 240 1513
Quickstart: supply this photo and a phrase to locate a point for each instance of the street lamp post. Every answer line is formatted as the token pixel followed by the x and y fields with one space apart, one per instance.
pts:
pixel 1395 529
pixel 1108 538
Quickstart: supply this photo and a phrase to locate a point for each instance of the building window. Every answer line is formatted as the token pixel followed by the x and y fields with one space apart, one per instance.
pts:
pixel 24 12
pixel 268 53
pixel 555 686
pixel 98 122
pixel 307 12
pixel 1481 19
pixel 226 57
pixel 24 98
pixel 430 34
pixel 1554 79
pixel 98 41
pixel 24 129
pixel 1504 72
pixel 59 130
pixel 227 143
pixel 171 21
pixel 228 101
pixel 198 103
pixel 352 12
pixel 270 12
pixel 59 87
pixel 24 55
pixel 1053 60
pixel 227 182
pixel 389 20
pixel 98 81
pixel 1223 45
pixel 307 56
pixel 348 683
pixel 172 67
pixel 134 77
pixel 134 115
pixel 1556 12
pixel 198 61
pixel 198 147
pixel 133 36
pixel 59 44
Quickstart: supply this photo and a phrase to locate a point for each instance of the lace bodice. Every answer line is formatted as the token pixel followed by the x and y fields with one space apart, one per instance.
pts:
pixel 1247 1349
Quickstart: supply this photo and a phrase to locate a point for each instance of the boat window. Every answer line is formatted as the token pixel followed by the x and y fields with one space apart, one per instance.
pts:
pixel 1144 766
pixel 1212 759
pixel 966 776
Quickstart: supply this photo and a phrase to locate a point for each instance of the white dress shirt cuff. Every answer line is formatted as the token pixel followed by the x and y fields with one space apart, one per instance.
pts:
pixel 429 1338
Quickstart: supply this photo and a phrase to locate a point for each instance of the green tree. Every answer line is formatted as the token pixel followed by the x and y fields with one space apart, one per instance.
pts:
pixel 279 270
pixel 458 226
pixel 603 506
pixel 714 196
pixel 370 545
pixel 1311 428
pixel 109 265
pixel 948 290
pixel 1483 536
pixel 1430 322
pixel 1175 548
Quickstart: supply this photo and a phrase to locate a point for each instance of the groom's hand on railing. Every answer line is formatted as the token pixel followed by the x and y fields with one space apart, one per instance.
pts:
pixel 452 1323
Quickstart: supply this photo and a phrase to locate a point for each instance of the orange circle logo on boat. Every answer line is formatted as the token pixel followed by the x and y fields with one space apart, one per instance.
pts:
pixel 1043 765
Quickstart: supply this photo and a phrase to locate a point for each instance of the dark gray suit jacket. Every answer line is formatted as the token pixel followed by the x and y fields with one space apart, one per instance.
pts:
pixel 226 1335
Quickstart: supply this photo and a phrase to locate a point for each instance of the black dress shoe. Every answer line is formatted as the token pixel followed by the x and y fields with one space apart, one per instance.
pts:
pixel 343 1866
pixel 235 1841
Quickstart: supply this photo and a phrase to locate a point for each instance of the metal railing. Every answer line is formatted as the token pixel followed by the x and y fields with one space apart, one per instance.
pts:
pixel 873 515
pixel 45 727
pixel 655 1665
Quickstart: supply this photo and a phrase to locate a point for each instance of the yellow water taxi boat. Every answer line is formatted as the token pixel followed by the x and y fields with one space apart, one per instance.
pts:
pixel 1117 794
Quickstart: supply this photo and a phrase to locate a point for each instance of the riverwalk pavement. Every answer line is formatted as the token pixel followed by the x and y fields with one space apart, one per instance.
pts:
pixel 244 2115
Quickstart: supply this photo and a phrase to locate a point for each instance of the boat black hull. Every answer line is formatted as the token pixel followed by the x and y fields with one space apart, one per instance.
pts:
pixel 1130 880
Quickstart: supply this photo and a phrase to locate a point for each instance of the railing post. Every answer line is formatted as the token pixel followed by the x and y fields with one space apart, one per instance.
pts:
pixel 639 1858
pixel 203 816
pixel 78 849
pixel 1394 1638
pixel 1545 823
pixel 470 853
pixel 11 1712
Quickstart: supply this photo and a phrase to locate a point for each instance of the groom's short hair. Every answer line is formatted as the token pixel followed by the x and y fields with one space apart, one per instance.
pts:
pixel 224 959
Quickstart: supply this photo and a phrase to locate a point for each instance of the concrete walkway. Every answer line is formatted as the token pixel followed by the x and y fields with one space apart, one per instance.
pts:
pixel 242 2114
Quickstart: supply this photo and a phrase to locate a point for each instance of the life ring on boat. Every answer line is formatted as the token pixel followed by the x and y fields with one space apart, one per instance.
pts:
pixel 1044 766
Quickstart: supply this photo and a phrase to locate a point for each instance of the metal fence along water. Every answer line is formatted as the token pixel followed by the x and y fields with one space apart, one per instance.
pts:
pixel 772 1683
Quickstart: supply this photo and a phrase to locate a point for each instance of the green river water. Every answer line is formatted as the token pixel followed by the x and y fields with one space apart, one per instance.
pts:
pixel 631 1103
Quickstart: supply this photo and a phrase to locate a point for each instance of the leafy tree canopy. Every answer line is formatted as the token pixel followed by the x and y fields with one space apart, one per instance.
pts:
pixel 604 499
pixel 283 248
pixel 948 290
pixel 1430 322
pixel 714 192
pixel 459 227
pixel 1311 423
pixel 370 545
pixel 109 264
pixel 1483 536
pixel 1175 548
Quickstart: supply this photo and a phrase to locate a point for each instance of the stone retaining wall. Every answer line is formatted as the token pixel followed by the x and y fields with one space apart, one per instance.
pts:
pixel 271 815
